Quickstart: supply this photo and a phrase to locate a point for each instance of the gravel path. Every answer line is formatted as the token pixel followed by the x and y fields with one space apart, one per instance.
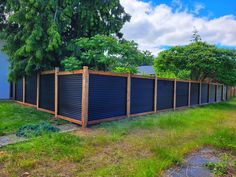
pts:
pixel 13 139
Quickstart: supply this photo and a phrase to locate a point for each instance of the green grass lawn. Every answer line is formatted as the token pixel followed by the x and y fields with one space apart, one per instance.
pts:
pixel 140 147
pixel 13 116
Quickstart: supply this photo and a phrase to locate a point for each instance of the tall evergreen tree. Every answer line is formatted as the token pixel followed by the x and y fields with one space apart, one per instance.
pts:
pixel 38 33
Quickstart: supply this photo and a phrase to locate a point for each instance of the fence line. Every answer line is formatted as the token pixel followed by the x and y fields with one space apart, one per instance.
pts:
pixel 88 97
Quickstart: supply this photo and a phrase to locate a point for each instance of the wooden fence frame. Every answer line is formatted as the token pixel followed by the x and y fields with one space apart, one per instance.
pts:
pixel 230 91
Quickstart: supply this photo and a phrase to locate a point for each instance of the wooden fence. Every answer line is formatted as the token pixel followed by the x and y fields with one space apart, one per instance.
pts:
pixel 88 97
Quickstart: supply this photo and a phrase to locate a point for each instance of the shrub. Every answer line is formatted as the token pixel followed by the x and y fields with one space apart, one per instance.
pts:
pixel 33 130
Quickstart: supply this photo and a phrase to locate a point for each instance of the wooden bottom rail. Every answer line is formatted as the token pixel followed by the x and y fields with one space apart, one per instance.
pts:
pixel 69 119
pixel 181 107
pixel 142 113
pixel 92 122
pixel 26 104
pixel 45 110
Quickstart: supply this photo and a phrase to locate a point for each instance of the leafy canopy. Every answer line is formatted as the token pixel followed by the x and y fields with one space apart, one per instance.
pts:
pixel 106 53
pixel 38 32
pixel 198 61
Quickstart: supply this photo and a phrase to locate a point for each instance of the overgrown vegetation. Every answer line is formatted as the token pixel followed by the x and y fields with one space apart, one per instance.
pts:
pixel 142 146
pixel 198 61
pixel 226 166
pixel 34 130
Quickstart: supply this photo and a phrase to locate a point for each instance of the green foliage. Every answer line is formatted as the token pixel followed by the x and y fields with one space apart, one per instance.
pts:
pixel 71 63
pixel 198 61
pixel 130 69
pixel 219 169
pixel 38 33
pixel 33 130
pixel 106 53
pixel 225 166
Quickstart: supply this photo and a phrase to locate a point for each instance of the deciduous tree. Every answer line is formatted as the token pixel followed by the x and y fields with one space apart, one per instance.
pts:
pixel 198 61
pixel 106 53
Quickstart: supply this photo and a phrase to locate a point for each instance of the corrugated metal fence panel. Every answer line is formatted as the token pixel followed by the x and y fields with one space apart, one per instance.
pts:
pixel 47 92
pixel 204 93
pixel 165 94
pixel 31 90
pixel 219 93
pixel 70 96
pixel 142 95
pixel 182 89
pixel 212 93
pixel 19 90
pixel 11 90
pixel 195 94
pixel 107 96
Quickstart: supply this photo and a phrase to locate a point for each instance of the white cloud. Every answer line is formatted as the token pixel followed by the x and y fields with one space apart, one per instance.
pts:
pixel 153 27
pixel 198 7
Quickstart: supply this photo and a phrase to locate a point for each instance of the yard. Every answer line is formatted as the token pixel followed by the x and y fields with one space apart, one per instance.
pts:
pixel 142 146
pixel 13 116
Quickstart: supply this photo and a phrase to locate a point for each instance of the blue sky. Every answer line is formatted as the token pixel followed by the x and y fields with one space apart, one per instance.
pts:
pixel 210 8
pixel 158 24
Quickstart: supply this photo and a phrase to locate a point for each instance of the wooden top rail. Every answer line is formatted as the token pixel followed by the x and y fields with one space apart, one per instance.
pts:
pixel 107 73
pixel 70 72
pixel 48 72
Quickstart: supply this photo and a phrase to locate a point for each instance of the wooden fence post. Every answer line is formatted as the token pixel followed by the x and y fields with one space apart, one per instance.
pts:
pixel 174 99
pixel 128 102
pixel 56 91
pixel 189 93
pixel 85 95
pixel 155 94
pixel 38 87
pixel 23 89
pixel 200 93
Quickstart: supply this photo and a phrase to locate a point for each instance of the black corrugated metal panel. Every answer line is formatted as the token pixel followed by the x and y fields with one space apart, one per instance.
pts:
pixel 212 93
pixel 19 90
pixel 47 92
pixel 107 96
pixel 11 90
pixel 219 93
pixel 70 96
pixel 165 94
pixel 182 89
pixel 204 93
pixel 142 95
pixel 194 94
pixel 224 92
pixel 31 90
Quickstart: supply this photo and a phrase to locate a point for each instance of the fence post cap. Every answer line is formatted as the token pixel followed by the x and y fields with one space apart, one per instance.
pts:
pixel 85 67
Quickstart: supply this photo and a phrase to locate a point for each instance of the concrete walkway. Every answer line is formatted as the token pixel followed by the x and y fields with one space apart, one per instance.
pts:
pixel 195 165
pixel 13 139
